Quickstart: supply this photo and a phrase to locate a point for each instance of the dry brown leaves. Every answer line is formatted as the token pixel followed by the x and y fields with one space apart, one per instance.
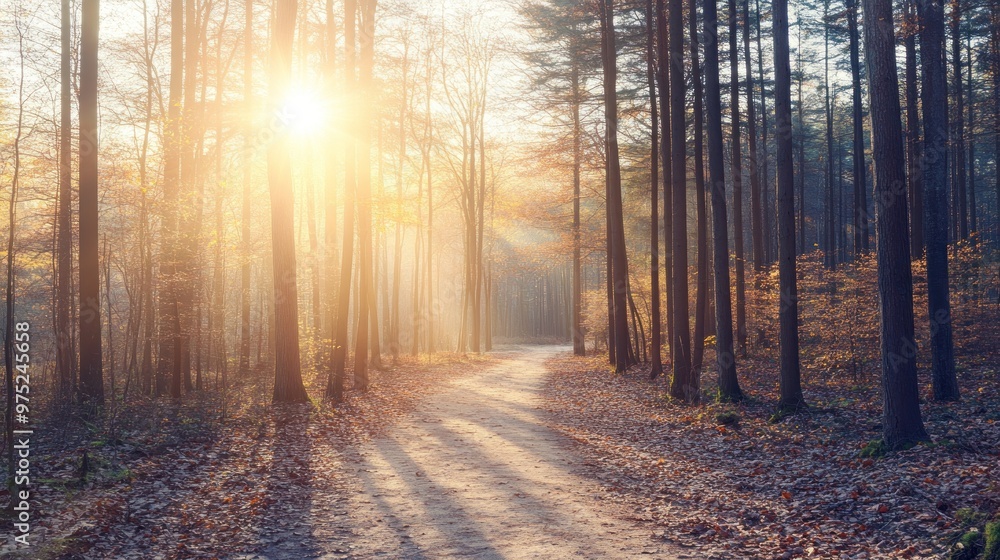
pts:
pixel 191 487
pixel 794 489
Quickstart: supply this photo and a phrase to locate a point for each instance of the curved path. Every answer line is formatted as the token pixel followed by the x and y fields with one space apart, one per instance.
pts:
pixel 475 472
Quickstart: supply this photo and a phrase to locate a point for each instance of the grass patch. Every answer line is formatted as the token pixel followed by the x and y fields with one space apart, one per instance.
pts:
pixel 992 549
pixel 968 546
pixel 727 418
pixel 874 449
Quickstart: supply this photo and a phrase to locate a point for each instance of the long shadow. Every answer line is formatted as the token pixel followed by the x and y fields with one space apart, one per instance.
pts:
pixel 461 488
pixel 285 523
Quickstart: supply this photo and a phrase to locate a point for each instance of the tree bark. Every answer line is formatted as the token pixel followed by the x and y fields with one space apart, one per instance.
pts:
pixel 615 225
pixel 91 363
pixel 725 358
pixel 756 211
pixel 901 423
pixel 934 97
pixel 737 171
pixel 655 360
pixel 788 312
pixel 703 294
pixel 288 385
pixel 861 244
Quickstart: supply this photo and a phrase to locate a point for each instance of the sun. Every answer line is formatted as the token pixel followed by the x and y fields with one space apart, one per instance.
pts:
pixel 306 113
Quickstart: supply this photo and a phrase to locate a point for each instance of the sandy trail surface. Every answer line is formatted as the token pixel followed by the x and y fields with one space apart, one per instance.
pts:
pixel 473 472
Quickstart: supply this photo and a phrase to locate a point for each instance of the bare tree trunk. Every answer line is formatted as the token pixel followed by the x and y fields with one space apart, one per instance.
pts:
pixel 736 163
pixel 91 366
pixel 934 97
pixel 959 131
pixel 663 78
pixel 616 228
pixel 788 313
pixel 656 365
pixel 702 298
pixel 579 346
pixel 830 231
pixel 769 243
pixel 366 308
pixel 65 360
pixel 335 383
pixel 725 357
pixel 685 384
pixel 861 245
pixel 901 423
pixel 247 205
pixel 288 385
pixel 756 210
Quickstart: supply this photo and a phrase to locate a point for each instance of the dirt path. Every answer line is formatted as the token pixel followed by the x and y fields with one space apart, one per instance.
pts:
pixel 475 472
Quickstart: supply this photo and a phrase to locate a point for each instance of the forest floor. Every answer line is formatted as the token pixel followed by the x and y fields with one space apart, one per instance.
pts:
pixel 727 482
pixel 440 460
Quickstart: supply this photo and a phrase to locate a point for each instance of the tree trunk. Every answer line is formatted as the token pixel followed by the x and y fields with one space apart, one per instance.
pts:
pixel 959 130
pixel 914 147
pixel 934 97
pixel 860 181
pixel 366 287
pixel 615 226
pixel 725 358
pixel 579 347
pixel 335 382
pixel 830 237
pixel 91 378
pixel 685 384
pixel 656 364
pixel 663 113
pixel 788 313
pixel 756 212
pixel 901 424
pixel 65 360
pixel 769 243
pixel 288 385
pixel 737 170
pixel 247 206
pixel 702 298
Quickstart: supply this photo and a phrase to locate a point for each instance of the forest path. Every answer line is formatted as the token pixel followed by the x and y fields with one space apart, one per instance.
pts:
pixel 475 472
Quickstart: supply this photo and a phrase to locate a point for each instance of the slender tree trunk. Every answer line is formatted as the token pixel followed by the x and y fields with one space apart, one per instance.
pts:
pixel 934 97
pixel 973 218
pixel 246 212
pixel 288 385
pixel 914 147
pixel 91 378
pixel 737 171
pixel 579 346
pixel 702 298
pixel 725 357
pixel 959 130
pixel 616 228
pixel 168 364
pixel 65 360
pixel 802 145
pixel 901 424
pixel 769 243
pixel 366 288
pixel 788 312
pixel 756 211
pixel 685 384
pixel 656 365
pixel 664 114
pixel 335 383
pixel 860 181
pixel 830 238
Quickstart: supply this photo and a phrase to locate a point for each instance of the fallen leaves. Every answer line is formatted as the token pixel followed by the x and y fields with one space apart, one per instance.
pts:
pixel 791 490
